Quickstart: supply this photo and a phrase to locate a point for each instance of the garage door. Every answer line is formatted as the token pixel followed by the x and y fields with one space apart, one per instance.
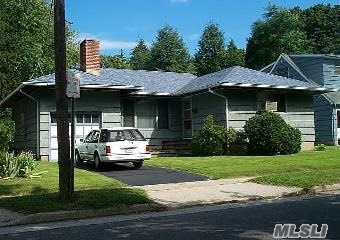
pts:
pixel 85 122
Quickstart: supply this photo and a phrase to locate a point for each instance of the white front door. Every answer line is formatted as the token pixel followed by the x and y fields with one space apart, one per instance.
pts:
pixel 85 123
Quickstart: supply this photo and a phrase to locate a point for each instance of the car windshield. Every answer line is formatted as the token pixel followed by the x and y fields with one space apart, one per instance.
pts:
pixel 121 135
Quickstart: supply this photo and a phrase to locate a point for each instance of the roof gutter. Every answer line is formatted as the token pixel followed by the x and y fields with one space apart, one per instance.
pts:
pixel 11 94
pixel 38 120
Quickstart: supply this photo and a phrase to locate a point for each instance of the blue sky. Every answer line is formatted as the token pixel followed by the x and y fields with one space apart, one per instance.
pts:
pixel 118 24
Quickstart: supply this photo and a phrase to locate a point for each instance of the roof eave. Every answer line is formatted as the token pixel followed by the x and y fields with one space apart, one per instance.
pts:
pixel 6 99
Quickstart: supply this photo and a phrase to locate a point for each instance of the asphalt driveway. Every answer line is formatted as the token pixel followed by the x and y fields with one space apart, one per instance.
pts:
pixel 146 175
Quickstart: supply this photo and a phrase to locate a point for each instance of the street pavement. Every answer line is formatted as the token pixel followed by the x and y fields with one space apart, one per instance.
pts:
pixel 253 220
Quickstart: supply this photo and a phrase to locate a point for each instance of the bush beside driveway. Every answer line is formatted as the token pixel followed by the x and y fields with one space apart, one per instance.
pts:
pixel 304 169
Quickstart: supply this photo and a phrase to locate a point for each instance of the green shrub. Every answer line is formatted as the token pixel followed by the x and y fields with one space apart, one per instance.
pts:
pixel 212 139
pixel 320 147
pixel 7 131
pixel 269 134
pixel 17 166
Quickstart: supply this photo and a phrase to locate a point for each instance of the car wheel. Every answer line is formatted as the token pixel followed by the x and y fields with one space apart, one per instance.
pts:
pixel 78 159
pixel 137 164
pixel 97 162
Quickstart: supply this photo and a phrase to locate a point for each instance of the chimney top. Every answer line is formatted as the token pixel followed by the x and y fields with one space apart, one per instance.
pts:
pixel 90 56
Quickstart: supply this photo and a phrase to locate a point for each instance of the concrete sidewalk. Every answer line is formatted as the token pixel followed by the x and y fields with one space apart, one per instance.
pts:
pixel 213 191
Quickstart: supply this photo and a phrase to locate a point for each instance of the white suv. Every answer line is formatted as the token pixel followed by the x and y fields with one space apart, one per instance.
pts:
pixel 116 145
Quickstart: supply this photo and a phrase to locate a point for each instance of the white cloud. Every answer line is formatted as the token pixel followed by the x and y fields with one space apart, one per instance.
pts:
pixel 178 1
pixel 108 44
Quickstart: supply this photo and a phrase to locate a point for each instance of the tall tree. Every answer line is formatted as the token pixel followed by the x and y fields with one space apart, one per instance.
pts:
pixel 280 32
pixel 26 46
pixel 210 55
pixel 140 56
pixel 168 52
pixel 233 55
pixel 322 26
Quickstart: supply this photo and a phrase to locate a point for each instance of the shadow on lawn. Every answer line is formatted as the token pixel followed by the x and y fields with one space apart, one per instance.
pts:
pixel 13 189
pixel 85 199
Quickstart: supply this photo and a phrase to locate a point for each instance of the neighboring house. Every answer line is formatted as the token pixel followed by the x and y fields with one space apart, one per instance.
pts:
pixel 325 71
pixel 163 105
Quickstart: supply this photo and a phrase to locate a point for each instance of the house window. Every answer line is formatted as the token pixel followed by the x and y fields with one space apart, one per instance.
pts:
pixel 163 115
pixel 146 114
pixel 87 118
pixel 128 113
pixel 187 114
pixel 338 119
pixel 281 102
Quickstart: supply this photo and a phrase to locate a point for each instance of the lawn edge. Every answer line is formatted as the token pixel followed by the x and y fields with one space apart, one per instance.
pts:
pixel 81 214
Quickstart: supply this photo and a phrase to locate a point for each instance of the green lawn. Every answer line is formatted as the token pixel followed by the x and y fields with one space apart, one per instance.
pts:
pixel 92 191
pixel 305 169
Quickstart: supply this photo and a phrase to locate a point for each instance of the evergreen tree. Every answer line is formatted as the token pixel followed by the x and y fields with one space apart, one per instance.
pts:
pixel 117 61
pixel 140 56
pixel 234 56
pixel 210 55
pixel 168 52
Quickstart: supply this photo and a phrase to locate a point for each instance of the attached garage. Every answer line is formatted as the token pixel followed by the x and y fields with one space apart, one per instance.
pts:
pixel 85 123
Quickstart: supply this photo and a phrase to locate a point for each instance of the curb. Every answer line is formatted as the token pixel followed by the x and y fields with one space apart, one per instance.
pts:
pixel 326 189
pixel 80 214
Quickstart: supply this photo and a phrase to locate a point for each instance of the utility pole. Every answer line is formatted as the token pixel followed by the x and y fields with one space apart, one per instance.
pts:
pixel 65 169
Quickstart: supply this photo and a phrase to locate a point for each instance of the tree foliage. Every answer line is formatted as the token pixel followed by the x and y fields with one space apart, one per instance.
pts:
pixel 168 52
pixel 26 46
pixel 234 56
pixel 322 26
pixel 211 49
pixel 117 61
pixel 140 56
pixel 280 32
pixel 293 31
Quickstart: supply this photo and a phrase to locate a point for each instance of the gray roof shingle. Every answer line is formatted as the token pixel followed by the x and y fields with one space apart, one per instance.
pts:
pixel 241 75
pixel 150 81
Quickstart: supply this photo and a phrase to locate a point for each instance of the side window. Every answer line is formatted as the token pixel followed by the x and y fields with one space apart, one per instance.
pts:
pixel 88 137
pixel 281 102
pixel 95 137
pixel 103 136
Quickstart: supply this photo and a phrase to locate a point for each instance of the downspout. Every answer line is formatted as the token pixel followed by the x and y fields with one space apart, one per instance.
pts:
pixel 38 121
pixel 226 106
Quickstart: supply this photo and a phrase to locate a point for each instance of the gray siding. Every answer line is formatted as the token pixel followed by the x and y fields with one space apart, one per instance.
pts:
pixel 300 114
pixel 107 103
pixel 25 118
pixel 207 104
pixel 331 79
pixel 242 105
pixel 311 67
pixel 325 124
pixel 156 136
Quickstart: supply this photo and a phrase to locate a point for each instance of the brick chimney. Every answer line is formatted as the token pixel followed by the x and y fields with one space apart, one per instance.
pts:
pixel 90 57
